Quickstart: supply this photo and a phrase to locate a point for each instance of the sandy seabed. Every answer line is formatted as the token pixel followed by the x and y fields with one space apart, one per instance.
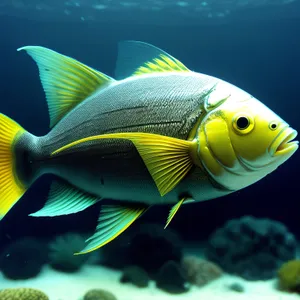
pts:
pixel 62 286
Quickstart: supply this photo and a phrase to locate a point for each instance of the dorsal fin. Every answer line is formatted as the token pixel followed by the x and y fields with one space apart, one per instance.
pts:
pixel 66 81
pixel 136 58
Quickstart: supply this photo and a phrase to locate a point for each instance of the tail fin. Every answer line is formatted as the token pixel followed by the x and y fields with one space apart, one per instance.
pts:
pixel 11 187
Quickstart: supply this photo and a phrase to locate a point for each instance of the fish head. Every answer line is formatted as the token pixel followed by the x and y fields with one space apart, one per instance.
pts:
pixel 241 136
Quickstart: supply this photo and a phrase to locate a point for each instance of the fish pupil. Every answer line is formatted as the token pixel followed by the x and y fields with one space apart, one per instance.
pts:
pixel 242 123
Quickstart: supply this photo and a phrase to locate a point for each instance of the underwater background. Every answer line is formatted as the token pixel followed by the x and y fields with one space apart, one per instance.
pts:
pixel 254 45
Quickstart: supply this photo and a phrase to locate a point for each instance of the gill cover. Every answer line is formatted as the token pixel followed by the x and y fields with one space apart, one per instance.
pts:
pixel 219 142
pixel 216 96
pixel 213 134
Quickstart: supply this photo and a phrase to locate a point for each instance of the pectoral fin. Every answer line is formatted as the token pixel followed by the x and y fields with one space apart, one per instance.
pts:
pixel 113 221
pixel 168 159
pixel 65 199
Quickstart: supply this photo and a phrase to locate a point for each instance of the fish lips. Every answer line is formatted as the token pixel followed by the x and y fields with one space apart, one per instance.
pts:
pixel 284 143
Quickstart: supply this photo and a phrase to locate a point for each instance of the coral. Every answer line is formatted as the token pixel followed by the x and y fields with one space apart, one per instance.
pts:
pixel 200 271
pixel 148 246
pixel 115 254
pixel 152 246
pixel 98 294
pixel 135 275
pixel 251 248
pixel 22 294
pixel 23 259
pixel 62 251
pixel 171 278
pixel 289 276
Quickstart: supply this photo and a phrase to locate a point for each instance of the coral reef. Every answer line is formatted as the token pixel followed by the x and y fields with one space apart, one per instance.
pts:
pixel 62 250
pixel 115 254
pixel 154 252
pixel 23 258
pixel 135 275
pixel 148 246
pixel 289 276
pixel 251 248
pixel 171 278
pixel 152 246
pixel 22 294
pixel 98 294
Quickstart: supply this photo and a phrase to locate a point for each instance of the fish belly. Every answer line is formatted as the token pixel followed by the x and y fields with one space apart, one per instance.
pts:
pixel 113 169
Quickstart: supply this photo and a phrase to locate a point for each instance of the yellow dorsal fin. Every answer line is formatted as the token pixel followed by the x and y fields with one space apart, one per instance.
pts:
pixel 137 58
pixel 168 159
pixel 163 63
pixel 66 81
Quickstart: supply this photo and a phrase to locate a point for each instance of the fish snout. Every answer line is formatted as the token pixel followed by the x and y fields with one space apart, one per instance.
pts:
pixel 284 143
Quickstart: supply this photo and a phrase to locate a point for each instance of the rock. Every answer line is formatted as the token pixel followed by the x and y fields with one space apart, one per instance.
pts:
pixel 171 279
pixel 23 258
pixel 98 294
pixel 200 271
pixel 237 287
pixel 135 275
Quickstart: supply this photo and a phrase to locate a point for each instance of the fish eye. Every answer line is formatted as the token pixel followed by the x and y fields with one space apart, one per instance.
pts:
pixel 273 125
pixel 243 123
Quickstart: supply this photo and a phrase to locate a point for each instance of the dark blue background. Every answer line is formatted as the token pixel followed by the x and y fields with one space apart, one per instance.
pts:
pixel 260 57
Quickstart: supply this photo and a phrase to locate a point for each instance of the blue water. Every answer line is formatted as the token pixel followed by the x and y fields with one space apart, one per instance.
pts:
pixel 255 47
pixel 165 12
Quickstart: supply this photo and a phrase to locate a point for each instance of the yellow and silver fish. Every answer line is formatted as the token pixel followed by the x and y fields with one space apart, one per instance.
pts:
pixel 161 134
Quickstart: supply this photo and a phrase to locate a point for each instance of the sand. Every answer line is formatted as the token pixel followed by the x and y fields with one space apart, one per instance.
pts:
pixel 61 286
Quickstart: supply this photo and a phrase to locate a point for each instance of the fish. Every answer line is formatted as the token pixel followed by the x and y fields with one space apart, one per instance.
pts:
pixel 157 133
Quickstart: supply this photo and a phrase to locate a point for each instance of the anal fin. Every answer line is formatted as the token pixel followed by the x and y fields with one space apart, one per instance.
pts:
pixel 175 209
pixel 113 220
pixel 65 199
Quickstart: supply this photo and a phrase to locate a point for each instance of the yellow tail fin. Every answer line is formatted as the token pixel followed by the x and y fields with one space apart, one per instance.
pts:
pixel 11 189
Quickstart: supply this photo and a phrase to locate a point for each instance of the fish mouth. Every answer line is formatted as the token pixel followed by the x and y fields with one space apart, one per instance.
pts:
pixel 284 143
